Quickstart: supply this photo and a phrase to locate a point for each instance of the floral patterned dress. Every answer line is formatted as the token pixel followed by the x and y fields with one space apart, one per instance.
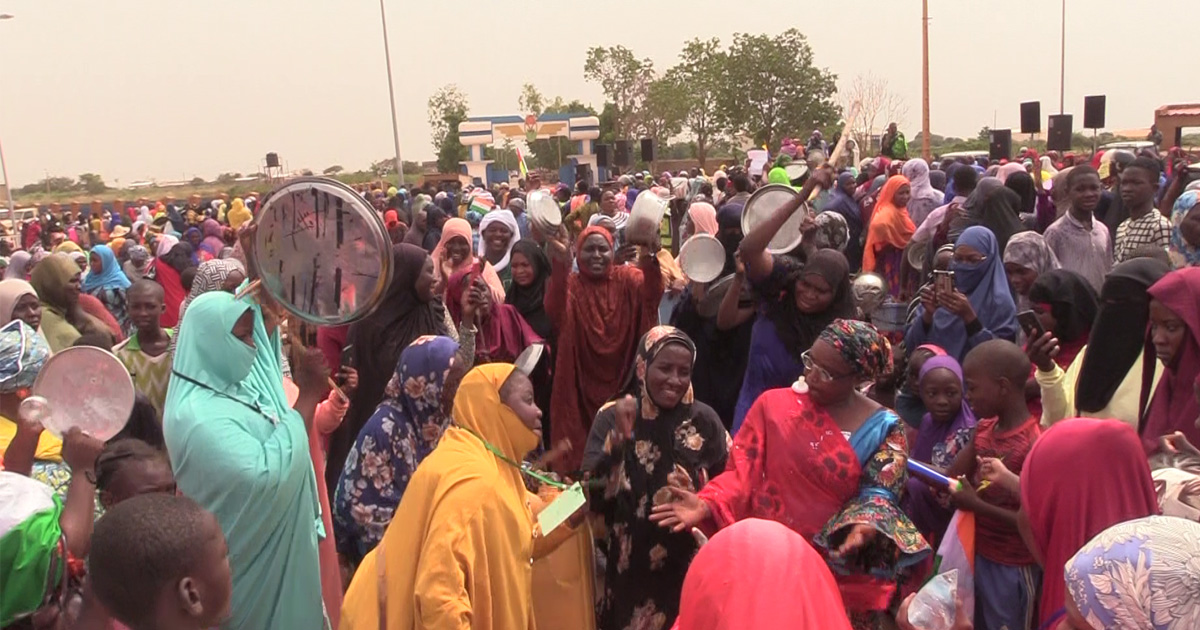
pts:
pixel 646 564
pixel 403 431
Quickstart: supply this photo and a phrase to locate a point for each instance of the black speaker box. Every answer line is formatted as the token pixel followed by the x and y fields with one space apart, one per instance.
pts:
pixel 624 153
pixel 1093 112
pixel 1058 137
pixel 647 149
pixel 1000 145
pixel 602 155
pixel 1031 117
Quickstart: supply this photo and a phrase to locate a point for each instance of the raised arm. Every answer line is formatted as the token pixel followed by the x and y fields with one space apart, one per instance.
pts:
pixel 754 246
pixel 560 271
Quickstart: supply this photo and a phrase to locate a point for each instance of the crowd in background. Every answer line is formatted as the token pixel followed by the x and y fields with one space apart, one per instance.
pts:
pixel 1028 329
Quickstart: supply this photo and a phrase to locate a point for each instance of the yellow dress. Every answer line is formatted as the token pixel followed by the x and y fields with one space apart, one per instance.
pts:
pixel 460 553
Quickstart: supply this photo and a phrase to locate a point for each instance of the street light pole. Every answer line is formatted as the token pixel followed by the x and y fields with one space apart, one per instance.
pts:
pixel 387 56
pixel 1062 62
pixel 12 208
pixel 926 151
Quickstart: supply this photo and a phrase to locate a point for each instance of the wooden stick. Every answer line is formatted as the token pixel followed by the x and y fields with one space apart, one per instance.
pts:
pixel 334 386
pixel 250 288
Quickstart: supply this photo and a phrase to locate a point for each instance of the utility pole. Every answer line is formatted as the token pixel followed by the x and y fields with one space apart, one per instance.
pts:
pixel 387 56
pixel 1062 62
pixel 926 151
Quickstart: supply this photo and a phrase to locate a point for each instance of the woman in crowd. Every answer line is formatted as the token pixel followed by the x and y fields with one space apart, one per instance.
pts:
pixel 18 266
pixel 1026 257
pixel 18 300
pixel 1081 477
pixel 498 232
pixel 599 313
pixel 174 258
pixel 924 197
pixel 888 233
pixel 1175 336
pixel 782 583
pixel 1185 230
pixel 56 280
pixel 981 306
pixel 1139 572
pixel 1105 378
pixel 462 554
pixel 841 201
pixel 995 207
pixel 408 310
pixel 241 451
pixel 138 263
pixel 214 239
pixel 1066 306
pixel 401 433
pixel 107 283
pixel 453 254
pixel 502 334
pixel 22 355
pixel 238 214
pixel 655 430
pixel 701 219
pixel 945 429
pixel 908 404
pixel 530 274
pixel 823 459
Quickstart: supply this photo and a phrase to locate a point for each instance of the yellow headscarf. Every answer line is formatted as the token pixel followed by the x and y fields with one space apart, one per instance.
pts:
pixel 67 247
pixel 238 214
pixel 460 556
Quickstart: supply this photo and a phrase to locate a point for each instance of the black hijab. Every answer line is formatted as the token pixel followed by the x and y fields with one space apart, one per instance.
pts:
pixel 179 257
pixel 376 343
pixel 1072 301
pixel 530 300
pixel 1022 184
pixel 999 213
pixel 798 330
pixel 1119 331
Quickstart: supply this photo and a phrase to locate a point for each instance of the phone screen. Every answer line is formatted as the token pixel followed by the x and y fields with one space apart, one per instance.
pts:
pixel 348 356
pixel 943 281
pixel 1030 324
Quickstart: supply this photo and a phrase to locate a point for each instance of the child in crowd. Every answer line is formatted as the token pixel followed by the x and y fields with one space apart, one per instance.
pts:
pixel 146 353
pixel 128 468
pixel 160 561
pixel 1007 578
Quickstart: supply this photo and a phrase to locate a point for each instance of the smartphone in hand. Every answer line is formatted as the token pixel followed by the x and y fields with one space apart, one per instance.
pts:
pixel 1031 324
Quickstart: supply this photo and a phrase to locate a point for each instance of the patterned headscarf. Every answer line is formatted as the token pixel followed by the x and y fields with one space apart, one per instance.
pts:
pixel 23 352
pixel 1029 250
pixel 653 343
pixel 1139 575
pixel 832 231
pixel 863 348
pixel 1179 247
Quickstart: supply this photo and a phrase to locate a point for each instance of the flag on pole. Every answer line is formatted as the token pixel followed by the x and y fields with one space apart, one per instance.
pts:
pixel 482 202
pixel 521 163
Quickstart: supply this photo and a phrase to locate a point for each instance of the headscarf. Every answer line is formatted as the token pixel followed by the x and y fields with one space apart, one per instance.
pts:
pixel 781 582
pixel 213 242
pixel 1022 184
pixel 1118 333
pixel 1139 574
pixel 934 445
pixel 210 276
pixel 376 343
pixel 67 247
pixel 164 244
pixel 238 214
pixel 1047 166
pixel 831 232
pixel 798 330
pixel 503 335
pixel 23 353
pixel 110 276
pixel 703 217
pixel 889 225
pixel 1079 478
pixel 999 213
pixel 1029 250
pixel 1186 203
pixel 937 179
pixel 1007 170
pixel 986 286
pixel 728 217
pixel 926 197
pixel 1072 301
pixel 778 175
pixel 972 208
pixel 180 258
pixel 530 300
pixel 479 411
pixel 18 265
pixel 933 434
pixel 1174 406
pixel 866 351
pixel 11 292
pixel 506 218
pixel 443 268
pixel 652 343
pixel 843 203
pixel 415 235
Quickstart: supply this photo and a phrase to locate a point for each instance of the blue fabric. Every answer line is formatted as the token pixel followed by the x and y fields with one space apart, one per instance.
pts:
pixel 866 440
pixel 1005 596
pixel 986 286
pixel 400 434
pixel 110 276
pixel 770 366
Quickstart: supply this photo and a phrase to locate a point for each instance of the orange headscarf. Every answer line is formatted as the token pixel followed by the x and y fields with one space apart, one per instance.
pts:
pixel 889 225
pixel 443 268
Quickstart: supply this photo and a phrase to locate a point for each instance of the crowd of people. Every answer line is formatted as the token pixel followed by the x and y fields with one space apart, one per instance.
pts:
pixel 555 427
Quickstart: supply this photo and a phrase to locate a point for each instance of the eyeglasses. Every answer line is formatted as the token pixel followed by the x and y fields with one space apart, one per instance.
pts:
pixel 811 366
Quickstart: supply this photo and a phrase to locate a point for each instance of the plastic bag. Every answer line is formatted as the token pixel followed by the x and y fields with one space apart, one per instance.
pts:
pixel 935 604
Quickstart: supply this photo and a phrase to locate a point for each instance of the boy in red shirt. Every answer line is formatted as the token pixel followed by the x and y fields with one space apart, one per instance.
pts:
pixel 1007 579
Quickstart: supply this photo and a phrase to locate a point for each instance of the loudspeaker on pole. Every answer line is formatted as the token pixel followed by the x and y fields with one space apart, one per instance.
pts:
pixel 624 153
pixel 1093 112
pixel 602 155
pixel 647 150
pixel 1000 146
pixel 1059 135
pixel 1031 117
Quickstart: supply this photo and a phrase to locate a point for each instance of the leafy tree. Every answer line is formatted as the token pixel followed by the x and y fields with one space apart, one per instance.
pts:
pixel 663 111
pixel 700 72
pixel 92 183
pixel 771 88
pixel 447 108
pixel 625 80
pixel 333 170
pixel 985 134
pixel 531 100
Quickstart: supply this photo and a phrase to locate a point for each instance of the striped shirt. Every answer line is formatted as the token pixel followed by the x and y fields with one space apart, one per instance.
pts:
pixel 1151 229
pixel 1085 250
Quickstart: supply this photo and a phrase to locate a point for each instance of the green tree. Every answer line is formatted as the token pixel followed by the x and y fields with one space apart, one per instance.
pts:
pixel 663 111
pixel 447 108
pixel 625 80
pixel 92 183
pixel 701 71
pixel 771 88
pixel 333 170
pixel 985 134
pixel 531 100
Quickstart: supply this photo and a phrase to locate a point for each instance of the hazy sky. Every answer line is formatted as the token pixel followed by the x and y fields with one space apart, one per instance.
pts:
pixel 173 89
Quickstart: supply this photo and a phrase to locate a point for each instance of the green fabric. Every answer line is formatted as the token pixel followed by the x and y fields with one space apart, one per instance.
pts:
pixel 243 455
pixel 26 553
pixel 778 176
pixel 900 146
